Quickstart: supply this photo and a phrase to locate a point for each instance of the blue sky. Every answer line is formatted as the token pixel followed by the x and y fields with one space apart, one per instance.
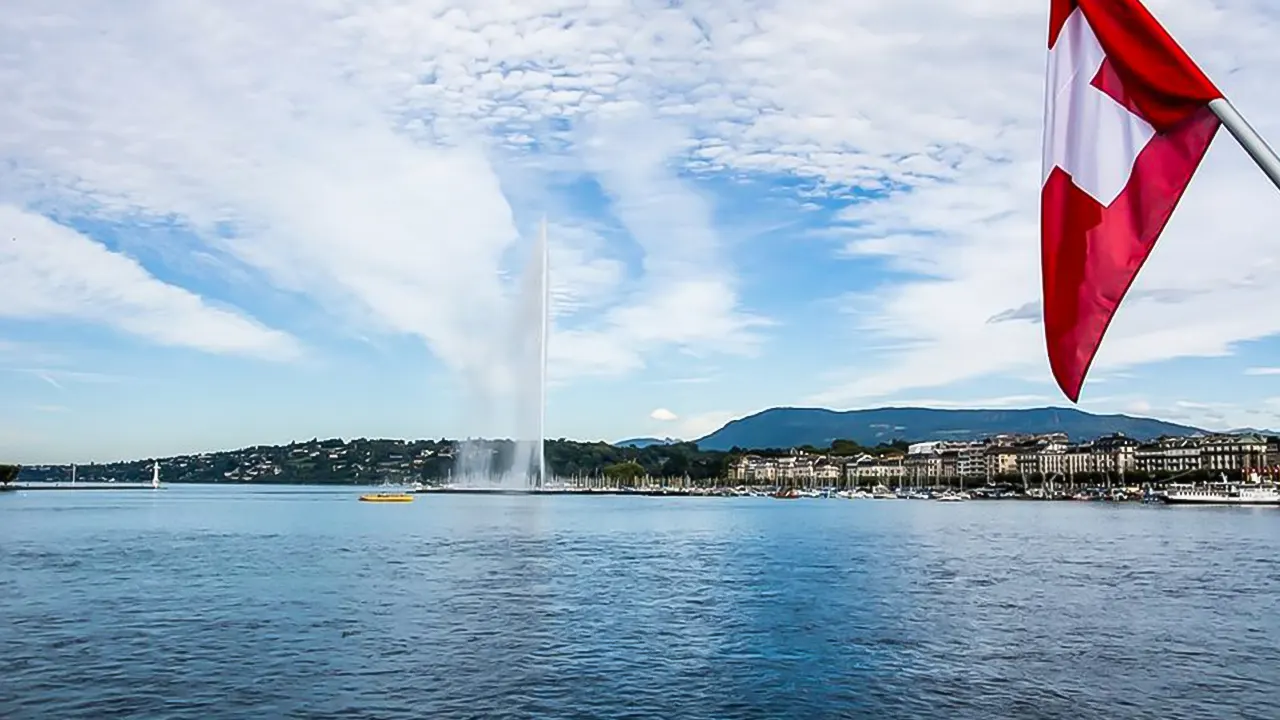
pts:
pixel 214 238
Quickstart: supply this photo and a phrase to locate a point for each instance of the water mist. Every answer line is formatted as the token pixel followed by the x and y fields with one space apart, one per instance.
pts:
pixel 514 394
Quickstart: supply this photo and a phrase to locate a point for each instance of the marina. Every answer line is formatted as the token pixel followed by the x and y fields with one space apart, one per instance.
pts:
pixel 1262 494
pixel 1220 493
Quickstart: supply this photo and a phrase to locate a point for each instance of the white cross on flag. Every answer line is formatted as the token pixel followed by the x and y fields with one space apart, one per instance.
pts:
pixel 1127 122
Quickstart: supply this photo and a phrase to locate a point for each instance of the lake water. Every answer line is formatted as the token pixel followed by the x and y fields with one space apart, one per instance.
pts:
pixel 233 602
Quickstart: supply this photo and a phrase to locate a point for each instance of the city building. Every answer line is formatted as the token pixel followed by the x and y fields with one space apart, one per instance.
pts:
pixel 1006 457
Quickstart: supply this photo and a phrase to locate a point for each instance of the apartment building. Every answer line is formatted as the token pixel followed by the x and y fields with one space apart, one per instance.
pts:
pixel 1040 456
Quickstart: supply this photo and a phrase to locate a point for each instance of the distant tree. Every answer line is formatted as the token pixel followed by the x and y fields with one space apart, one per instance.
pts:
pixel 1013 479
pixel 897 445
pixel 9 473
pixel 624 472
pixel 710 466
pixel 677 465
pixel 846 447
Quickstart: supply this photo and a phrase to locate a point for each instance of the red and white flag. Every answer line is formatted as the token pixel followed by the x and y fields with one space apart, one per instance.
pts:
pixel 1127 123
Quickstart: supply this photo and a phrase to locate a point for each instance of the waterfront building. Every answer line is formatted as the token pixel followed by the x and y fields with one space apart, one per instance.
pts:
pixel 1169 455
pixel 869 470
pixel 1041 457
pixel 1233 452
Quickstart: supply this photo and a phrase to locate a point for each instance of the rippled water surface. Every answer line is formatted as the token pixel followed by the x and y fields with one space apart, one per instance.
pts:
pixel 212 603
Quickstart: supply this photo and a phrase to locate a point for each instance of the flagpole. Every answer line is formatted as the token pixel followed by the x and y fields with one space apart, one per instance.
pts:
pixel 1248 138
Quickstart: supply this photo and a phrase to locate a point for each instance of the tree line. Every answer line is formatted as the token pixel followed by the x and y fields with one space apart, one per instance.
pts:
pixel 362 460
pixel 432 461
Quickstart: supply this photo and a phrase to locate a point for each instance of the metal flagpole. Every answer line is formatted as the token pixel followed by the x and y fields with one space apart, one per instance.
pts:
pixel 1248 138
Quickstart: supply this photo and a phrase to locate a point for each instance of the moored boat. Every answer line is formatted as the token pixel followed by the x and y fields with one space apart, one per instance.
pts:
pixel 1222 494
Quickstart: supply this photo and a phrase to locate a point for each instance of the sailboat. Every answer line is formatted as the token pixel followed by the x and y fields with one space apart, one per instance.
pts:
pixel 155 475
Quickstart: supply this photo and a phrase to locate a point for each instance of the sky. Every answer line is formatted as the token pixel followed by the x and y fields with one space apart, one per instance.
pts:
pixel 239 223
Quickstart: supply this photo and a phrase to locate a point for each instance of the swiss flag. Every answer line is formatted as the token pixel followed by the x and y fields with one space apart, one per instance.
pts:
pixel 1126 125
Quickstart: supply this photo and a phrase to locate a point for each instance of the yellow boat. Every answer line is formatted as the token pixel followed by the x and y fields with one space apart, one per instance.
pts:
pixel 387 498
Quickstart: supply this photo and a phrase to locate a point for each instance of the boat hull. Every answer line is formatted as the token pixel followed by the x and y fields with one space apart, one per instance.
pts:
pixel 1252 502
pixel 386 498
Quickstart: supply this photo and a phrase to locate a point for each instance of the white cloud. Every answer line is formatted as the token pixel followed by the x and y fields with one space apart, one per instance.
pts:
pixel 584 276
pixel 663 415
pixel 971 236
pixel 1262 371
pixel 1004 401
pixel 48 271
pixel 379 160
pixel 1194 405
pixel 51 381
pixel 700 425
pixel 59 378
pixel 687 297
pixel 365 163
pixel 12 352
pixel 1210 415
pixel 1139 407
pixel 691 380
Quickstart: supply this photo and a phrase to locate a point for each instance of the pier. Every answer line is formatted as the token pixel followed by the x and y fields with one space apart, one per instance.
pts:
pixel 83 486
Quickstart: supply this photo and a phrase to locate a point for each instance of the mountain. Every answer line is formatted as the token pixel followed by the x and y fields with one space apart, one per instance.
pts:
pixel 789 427
pixel 1251 431
pixel 645 442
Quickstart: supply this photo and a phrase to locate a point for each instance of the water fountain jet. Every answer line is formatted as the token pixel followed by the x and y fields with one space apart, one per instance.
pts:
pixel 521 358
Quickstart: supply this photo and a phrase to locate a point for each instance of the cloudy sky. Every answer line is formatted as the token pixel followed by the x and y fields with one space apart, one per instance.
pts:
pixel 233 223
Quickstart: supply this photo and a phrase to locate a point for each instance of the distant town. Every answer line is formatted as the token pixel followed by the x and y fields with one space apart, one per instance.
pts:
pixel 1021 460
pixel 1017 459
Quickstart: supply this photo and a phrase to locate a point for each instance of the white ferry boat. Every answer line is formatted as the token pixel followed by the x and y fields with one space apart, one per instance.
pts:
pixel 1223 493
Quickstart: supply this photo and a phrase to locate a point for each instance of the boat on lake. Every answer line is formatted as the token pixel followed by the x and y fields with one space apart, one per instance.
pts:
pixel 387 498
pixel 1223 493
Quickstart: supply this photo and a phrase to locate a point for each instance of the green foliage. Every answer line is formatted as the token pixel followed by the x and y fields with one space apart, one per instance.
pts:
pixel 676 466
pixel 625 473
pixel 9 473
pixel 1136 477
pixel 366 461
pixel 567 458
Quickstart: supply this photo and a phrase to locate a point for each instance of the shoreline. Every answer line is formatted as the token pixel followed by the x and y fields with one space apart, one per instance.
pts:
pixel 1093 495
pixel 723 493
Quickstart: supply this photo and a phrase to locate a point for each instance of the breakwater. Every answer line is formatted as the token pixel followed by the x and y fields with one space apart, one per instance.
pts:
pixel 84 486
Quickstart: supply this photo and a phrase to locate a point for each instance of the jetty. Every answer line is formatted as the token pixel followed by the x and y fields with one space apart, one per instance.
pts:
pixel 83 486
